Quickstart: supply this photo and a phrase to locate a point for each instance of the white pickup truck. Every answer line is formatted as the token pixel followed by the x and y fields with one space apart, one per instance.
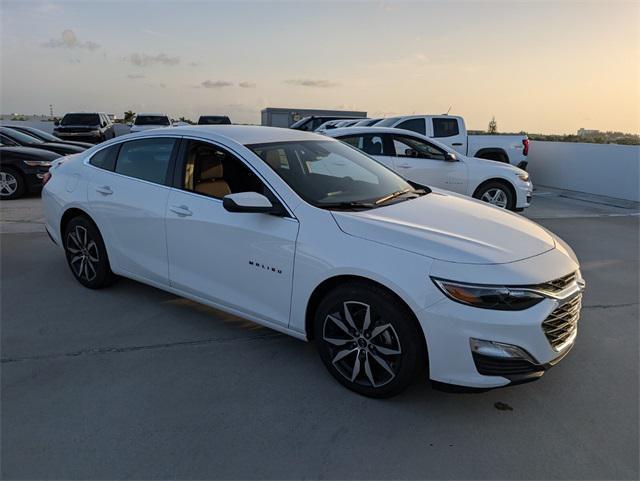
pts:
pixel 450 130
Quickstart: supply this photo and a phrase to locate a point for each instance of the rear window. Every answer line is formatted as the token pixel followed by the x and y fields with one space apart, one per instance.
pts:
pixel 445 127
pixel 152 120
pixel 81 119
pixel 214 120
pixel 105 158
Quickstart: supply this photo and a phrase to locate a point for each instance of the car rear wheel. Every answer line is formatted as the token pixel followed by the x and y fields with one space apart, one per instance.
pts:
pixel 368 340
pixel 11 184
pixel 86 254
pixel 496 193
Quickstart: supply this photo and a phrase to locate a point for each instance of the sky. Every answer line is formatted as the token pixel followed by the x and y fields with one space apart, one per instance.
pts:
pixel 539 67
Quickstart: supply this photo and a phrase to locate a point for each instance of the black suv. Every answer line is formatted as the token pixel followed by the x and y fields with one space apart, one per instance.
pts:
pixel 88 127
pixel 214 120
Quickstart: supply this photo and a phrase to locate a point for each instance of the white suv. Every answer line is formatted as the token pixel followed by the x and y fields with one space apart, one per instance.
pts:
pixel 306 235
pixel 147 121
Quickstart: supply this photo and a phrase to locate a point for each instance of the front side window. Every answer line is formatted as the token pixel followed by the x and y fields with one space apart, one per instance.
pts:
pixel 146 159
pixel 445 127
pixel 327 173
pixel 212 171
pixel 411 147
pixel 152 120
pixel 415 125
pixel 81 119
pixel 371 144
pixel 105 158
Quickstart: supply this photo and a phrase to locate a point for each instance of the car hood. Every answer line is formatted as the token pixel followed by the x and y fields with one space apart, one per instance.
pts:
pixel 449 227
pixel 507 170
pixel 28 153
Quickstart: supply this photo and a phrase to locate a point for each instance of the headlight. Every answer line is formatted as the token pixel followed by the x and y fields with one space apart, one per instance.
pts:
pixel 499 298
pixel 37 163
pixel 523 176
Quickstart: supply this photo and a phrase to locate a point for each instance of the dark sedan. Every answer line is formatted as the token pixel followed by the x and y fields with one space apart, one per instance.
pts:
pixel 14 138
pixel 46 136
pixel 22 170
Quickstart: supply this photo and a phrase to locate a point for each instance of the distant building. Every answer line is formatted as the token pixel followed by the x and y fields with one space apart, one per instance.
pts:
pixel 282 117
pixel 587 132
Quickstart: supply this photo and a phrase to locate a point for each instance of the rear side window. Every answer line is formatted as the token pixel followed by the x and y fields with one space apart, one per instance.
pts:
pixel 105 158
pixel 445 127
pixel 146 159
pixel 369 143
pixel 415 125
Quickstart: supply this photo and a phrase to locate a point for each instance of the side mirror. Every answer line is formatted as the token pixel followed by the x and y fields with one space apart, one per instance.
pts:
pixel 250 202
pixel 450 157
pixel 56 122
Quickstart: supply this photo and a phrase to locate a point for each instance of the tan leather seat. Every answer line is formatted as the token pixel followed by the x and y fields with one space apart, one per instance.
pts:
pixel 211 181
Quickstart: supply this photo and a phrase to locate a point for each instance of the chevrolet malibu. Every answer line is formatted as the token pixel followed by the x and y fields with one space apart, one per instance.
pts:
pixel 313 238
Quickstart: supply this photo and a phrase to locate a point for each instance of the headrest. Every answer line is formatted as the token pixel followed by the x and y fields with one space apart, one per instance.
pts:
pixel 210 165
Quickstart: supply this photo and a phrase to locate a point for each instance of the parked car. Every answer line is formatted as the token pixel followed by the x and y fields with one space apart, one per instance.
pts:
pixel 15 138
pixel 451 130
pixel 214 120
pixel 388 274
pixel 46 136
pixel 367 122
pixel 94 127
pixel 312 122
pixel 420 159
pixel 22 169
pixel 146 121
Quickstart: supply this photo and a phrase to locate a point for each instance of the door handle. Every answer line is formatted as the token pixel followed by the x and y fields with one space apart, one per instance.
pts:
pixel 457 144
pixel 104 190
pixel 181 210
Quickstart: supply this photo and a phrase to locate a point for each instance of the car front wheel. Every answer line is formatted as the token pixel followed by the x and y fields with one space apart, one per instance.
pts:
pixel 86 254
pixel 496 193
pixel 368 340
pixel 11 184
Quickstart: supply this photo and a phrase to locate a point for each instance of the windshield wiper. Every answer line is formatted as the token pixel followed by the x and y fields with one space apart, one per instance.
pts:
pixel 346 205
pixel 398 194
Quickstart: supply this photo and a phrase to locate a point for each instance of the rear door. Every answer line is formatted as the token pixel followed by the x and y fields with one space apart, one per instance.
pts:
pixel 426 164
pixel 127 192
pixel 449 131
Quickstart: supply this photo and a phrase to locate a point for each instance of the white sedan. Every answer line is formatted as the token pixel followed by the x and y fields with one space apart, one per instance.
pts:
pixel 308 236
pixel 426 161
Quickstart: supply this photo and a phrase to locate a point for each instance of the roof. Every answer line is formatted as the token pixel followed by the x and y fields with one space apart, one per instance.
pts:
pixel 242 134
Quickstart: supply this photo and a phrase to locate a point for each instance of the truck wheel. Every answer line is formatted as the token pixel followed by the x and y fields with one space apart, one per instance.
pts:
pixel 368 340
pixel 496 193
pixel 11 184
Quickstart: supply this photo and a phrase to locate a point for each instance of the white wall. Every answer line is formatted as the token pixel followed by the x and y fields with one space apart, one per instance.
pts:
pixel 601 169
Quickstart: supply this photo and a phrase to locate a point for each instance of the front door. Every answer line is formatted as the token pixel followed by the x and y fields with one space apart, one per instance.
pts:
pixel 243 261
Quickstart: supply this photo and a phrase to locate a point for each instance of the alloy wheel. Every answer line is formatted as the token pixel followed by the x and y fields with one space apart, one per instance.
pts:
pixel 83 250
pixel 8 184
pixel 497 197
pixel 364 349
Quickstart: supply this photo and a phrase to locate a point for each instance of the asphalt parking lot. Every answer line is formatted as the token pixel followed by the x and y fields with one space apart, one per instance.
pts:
pixel 132 382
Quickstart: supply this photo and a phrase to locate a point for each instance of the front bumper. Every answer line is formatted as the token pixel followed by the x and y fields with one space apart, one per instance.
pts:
pixel 449 327
pixel 524 192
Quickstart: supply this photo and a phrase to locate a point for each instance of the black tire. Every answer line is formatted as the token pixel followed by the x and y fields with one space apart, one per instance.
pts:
pixel 12 185
pixel 86 254
pixel 488 190
pixel 393 336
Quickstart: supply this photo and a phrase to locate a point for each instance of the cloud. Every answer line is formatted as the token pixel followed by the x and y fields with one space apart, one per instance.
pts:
pixel 145 60
pixel 247 85
pixel 134 76
pixel 216 84
pixel 311 83
pixel 68 39
pixel 193 64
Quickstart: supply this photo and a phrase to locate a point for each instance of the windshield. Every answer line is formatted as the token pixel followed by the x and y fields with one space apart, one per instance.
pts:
pixel 21 137
pixel 152 120
pixel 80 119
pixel 214 120
pixel 327 173
pixel 40 134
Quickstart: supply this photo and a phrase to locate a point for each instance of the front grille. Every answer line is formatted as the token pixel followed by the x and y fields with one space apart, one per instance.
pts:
pixel 562 323
pixel 557 285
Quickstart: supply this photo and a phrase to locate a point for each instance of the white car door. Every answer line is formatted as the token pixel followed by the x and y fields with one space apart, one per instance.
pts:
pixel 127 194
pixel 240 260
pixel 426 164
pixel 377 146
pixel 447 130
